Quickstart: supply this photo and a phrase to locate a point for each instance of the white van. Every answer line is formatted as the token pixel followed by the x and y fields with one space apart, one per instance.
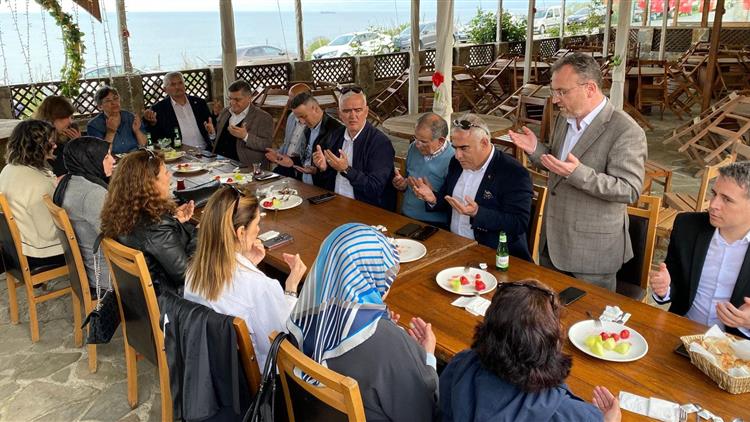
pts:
pixel 547 18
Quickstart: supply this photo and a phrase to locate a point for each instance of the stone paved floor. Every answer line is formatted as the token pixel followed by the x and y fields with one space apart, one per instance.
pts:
pixel 49 380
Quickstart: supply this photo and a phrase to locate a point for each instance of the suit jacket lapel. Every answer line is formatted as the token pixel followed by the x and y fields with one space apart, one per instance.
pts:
pixel 702 241
pixel 743 279
pixel 487 179
pixel 220 123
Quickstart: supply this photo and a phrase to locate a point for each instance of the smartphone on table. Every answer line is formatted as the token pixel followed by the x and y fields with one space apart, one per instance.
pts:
pixel 570 295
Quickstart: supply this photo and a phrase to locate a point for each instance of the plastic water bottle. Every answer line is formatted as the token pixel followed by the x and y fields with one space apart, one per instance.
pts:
pixel 177 140
pixel 502 257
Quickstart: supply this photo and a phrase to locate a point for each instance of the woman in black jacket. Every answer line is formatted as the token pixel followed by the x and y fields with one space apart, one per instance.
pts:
pixel 140 213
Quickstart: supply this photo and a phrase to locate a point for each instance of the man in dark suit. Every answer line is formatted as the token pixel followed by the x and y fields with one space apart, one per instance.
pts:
pixel 706 274
pixel 358 163
pixel 190 115
pixel 487 190
pixel 244 131
pixel 319 129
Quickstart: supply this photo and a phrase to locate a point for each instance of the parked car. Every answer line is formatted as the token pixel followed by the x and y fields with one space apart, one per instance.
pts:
pixel 546 18
pixel 258 54
pixel 106 71
pixel 355 44
pixel 427 37
pixel 582 15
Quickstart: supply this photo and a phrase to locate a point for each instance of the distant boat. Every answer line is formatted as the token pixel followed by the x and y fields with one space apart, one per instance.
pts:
pixel 327 12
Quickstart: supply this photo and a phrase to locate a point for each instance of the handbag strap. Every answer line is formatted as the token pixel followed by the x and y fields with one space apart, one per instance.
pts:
pixel 269 376
pixel 97 273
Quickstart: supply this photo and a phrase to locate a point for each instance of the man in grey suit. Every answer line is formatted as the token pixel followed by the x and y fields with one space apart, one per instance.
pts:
pixel 596 163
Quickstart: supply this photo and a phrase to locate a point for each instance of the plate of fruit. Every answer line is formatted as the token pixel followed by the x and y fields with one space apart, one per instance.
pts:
pixel 172 155
pixel 232 178
pixel 467 282
pixel 280 202
pixel 188 167
pixel 409 250
pixel 611 341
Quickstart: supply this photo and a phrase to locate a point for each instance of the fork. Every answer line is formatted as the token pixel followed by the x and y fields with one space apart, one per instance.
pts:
pixel 683 415
pixel 467 267
pixel 597 321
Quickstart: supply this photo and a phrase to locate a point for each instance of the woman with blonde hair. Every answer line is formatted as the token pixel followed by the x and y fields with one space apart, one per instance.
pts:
pixel 224 275
pixel 58 111
pixel 140 213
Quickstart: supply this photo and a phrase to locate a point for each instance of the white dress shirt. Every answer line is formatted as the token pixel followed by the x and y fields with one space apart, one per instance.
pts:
pixel 343 187
pixel 191 134
pixel 467 185
pixel 574 133
pixel 257 299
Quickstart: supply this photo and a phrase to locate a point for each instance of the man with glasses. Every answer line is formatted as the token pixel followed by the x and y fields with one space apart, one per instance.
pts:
pixel 358 163
pixel 596 162
pixel 122 129
pixel 428 156
pixel 243 130
pixel 485 190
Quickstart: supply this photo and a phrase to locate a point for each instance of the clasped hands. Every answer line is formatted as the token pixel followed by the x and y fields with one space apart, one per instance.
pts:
pixel 423 190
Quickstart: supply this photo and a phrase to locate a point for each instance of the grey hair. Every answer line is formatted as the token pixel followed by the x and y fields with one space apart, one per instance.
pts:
pixel 480 128
pixel 167 78
pixel 351 94
pixel 437 124
pixel 583 65
pixel 740 173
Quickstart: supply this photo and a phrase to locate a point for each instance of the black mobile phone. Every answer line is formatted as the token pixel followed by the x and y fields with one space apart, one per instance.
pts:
pixel 424 233
pixel 408 230
pixel 681 350
pixel 280 240
pixel 319 199
pixel 207 154
pixel 570 295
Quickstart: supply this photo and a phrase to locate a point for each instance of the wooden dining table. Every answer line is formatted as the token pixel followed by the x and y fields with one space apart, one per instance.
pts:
pixel 403 126
pixel 660 373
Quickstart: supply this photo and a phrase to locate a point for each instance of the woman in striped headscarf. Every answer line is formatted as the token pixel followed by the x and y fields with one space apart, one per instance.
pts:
pixel 341 322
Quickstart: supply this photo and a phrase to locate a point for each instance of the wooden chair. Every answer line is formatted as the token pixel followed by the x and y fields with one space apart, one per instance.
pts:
pixel 681 201
pixel 490 83
pixel 656 173
pixel 139 317
pixel 247 356
pixel 79 282
pixel 538 202
pixel 335 390
pixel 509 105
pixel 741 152
pixel 19 273
pixel 389 102
pixel 535 111
pixel 399 163
pixel 632 279
pixel 652 86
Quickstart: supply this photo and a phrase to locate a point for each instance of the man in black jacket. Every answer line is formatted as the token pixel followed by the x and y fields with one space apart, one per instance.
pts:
pixel 485 191
pixel 190 115
pixel 319 129
pixel 706 274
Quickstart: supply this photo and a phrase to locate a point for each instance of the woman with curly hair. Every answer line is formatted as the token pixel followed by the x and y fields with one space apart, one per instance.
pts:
pixel 24 180
pixel 515 369
pixel 139 213
pixel 58 111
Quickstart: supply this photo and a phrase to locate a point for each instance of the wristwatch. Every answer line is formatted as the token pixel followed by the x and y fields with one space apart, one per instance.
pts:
pixel 345 171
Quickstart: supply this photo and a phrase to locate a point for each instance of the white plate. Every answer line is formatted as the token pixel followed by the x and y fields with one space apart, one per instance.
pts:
pixel 232 178
pixel 582 329
pixel 409 250
pixel 171 156
pixel 291 202
pixel 443 280
pixel 188 168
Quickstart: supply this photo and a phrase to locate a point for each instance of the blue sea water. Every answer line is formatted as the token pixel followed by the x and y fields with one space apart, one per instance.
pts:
pixel 180 40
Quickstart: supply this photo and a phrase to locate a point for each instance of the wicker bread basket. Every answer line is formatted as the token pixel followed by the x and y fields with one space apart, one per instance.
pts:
pixel 733 385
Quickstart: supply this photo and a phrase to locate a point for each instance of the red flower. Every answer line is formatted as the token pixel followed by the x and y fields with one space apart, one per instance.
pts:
pixel 437 79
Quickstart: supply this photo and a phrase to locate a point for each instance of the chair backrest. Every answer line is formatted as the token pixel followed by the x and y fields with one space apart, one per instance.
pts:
pixel 79 281
pixel 399 163
pixel 335 390
pixel 139 310
pixel 247 355
pixel 709 174
pixel 297 89
pixel 741 151
pixel 10 240
pixel 643 218
pixel 538 201
pixel 524 115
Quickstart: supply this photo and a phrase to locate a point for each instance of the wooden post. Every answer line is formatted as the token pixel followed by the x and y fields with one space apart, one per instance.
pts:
pixel 414 62
pixel 228 44
pixel 704 15
pixel 607 29
pixel 617 92
pixel 562 21
pixel 663 37
pixel 300 37
pixel 529 43
pixel 713 52
pixel 647 13
pixel 122 25
pixel 499 29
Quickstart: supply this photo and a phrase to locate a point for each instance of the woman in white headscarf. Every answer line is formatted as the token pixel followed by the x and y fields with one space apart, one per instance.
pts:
pixel 341 322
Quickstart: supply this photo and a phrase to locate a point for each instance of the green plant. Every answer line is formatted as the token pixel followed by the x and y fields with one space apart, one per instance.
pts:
pixel 482 28
pixel 314 45
pixel 392 31
pixel 73 42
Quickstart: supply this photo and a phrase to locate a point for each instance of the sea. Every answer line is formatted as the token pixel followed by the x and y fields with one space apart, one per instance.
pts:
pixel 32 51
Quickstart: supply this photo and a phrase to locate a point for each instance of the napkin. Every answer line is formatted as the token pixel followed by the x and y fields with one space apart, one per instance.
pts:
pixel 740 348
pixel 611 313
pixel 653 407
pixel 475 305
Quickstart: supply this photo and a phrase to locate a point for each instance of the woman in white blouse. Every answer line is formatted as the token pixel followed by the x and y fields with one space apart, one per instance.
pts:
pixel 223 273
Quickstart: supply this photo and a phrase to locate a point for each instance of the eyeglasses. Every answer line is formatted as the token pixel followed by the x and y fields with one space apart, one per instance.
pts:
pixel 354 89
pixel 467 125
pixel 550 294
pixel 239 194
pixel 560 92
pixel 421 141
pixel 151 154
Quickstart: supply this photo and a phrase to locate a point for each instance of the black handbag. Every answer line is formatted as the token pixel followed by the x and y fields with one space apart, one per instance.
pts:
pixel 105 318
pixel 262 409
pixel 199 194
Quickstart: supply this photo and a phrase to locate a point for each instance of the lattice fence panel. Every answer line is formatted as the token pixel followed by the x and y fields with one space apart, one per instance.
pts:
pixel 339 70
pixel 197 83
pixel 516 48
pixel 548 46
pixel 678 39
pixel 388 66
pixel 656 41
pixel 428 60
pixel 481 55
pixel 575 40
pixel 261 76
pixel 735 37
pixel 25 98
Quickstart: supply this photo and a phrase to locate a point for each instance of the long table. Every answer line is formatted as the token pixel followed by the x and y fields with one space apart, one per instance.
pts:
pixel 661 373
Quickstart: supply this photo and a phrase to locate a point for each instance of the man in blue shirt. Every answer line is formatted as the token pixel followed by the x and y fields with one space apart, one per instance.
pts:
pixel 428 156
pixel 120 128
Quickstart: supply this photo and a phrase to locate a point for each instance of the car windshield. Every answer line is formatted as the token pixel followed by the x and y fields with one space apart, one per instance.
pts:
pixel 582 12
pixel 540 13
pixel 407 31
pixel 341 40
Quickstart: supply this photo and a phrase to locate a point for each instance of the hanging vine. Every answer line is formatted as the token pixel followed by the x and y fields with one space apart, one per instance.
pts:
pixel 73 42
